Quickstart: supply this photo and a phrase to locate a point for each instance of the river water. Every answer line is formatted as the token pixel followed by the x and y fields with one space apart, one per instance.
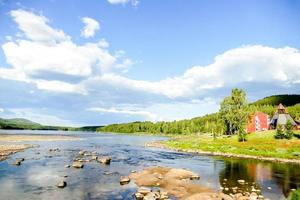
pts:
pixel 38 175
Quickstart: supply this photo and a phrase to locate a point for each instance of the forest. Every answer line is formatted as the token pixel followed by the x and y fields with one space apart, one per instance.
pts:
pixel 210 123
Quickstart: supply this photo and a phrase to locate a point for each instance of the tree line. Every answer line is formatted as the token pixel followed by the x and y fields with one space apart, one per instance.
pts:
pixel 231 118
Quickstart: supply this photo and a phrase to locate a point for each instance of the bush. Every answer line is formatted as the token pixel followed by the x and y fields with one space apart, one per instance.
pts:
pixel 289 130
pixel 295 195
pixel 279 133
pixel 242 136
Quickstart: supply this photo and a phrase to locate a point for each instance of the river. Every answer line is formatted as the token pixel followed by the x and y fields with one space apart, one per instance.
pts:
pixel 38 175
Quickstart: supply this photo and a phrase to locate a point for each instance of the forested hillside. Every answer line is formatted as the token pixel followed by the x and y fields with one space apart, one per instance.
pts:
pixel 286 100
pixel 208 123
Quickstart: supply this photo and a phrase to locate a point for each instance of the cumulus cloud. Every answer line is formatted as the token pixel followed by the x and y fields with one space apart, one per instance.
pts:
pixel 90 27
pixel 36 27
pixel 247 64
pixel 148 115
pixel 45 49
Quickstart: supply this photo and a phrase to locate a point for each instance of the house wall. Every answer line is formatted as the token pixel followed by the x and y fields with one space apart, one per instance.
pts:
pixel 258 122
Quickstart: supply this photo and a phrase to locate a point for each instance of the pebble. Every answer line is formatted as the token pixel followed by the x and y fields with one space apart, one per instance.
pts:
pixel 62 184
pixel 124 180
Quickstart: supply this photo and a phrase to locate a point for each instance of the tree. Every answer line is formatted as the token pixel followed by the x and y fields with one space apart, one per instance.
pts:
pixel 289 130
pixel 234 113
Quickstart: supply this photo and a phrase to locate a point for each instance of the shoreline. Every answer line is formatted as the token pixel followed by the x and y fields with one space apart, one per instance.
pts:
pixel 158 144
pixel 35 138
pixel 8 149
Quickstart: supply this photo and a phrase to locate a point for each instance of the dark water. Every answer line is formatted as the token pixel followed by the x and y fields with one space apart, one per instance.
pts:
pixel 38 175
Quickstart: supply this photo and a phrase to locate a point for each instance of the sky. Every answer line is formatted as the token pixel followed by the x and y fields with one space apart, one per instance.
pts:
pixel 97 62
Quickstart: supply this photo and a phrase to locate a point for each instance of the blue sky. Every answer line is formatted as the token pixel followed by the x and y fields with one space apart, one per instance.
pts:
pixel 72 62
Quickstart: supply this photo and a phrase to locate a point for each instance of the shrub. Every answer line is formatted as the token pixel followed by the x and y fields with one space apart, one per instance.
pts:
pixel 242 136
pixel 295 195
pixel 279 132
pixel 289 130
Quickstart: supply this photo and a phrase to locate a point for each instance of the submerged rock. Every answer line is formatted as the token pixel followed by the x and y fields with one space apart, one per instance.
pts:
pixel 124 180
pixel 77 164
pixel 17 163
pixel 62 184
pixel 104 160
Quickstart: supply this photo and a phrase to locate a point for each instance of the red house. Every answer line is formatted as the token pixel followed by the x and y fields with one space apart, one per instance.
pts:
pixel 258 121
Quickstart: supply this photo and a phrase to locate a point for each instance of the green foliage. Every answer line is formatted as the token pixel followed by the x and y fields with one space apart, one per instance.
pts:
pixel 289 130
pixel 287 100
pixel 242 135
pixel 279 133
pixel 233 112
pixel 284 132
pixel 211 123
pixel 295 195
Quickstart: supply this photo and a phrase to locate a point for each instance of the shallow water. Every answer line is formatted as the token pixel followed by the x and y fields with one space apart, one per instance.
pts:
pixel 38 175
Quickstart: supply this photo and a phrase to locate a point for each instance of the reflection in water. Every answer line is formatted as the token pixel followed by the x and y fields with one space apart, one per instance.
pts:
pixel 38 175
pixel 260 176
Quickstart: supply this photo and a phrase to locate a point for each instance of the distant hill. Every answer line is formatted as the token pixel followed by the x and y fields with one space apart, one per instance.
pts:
pixel 285 99
pixel 19 123
pixel 25 124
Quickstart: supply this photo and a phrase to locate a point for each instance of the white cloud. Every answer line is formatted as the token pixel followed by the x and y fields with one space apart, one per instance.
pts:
pixel 45 49
pixel 90 27
pixel 133 2
pixel 148 115
pixel 35 27
pixel 1 110
pixel 59 86
pixel 118 1
pixel 247 64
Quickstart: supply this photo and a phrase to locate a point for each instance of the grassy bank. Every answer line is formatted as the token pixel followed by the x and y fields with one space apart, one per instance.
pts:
pixel 259 144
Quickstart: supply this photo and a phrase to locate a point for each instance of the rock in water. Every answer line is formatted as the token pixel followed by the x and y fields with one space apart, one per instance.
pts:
pixel 77 165
pixel 62 184
pixel 124 180
pixel 17 163
pixel 195 177
pixel 105 160
pixel 67 166
pixel 242 182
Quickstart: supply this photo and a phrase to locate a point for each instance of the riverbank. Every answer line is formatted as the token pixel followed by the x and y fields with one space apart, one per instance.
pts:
pixel 34 138
pixel 260 146
pixel 8 149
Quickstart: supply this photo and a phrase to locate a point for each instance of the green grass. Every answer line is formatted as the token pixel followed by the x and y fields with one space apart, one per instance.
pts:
pixel 258 144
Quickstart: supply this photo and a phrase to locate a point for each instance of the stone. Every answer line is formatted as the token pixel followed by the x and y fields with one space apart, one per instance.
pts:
pixel 81 152
pixel 124 180
pixel 195 177
pixel 104 160
pixel 253 196
pixel 67 166
pixel 139 196
pixel 144 190
pixel 242 182
pixel 269 188
pixel 20 159
pixel 77 165
pixel 62 184
pixel 17 163
pixel 94 157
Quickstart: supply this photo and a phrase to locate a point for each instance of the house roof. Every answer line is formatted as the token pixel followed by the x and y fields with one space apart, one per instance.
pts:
pixel 280 107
